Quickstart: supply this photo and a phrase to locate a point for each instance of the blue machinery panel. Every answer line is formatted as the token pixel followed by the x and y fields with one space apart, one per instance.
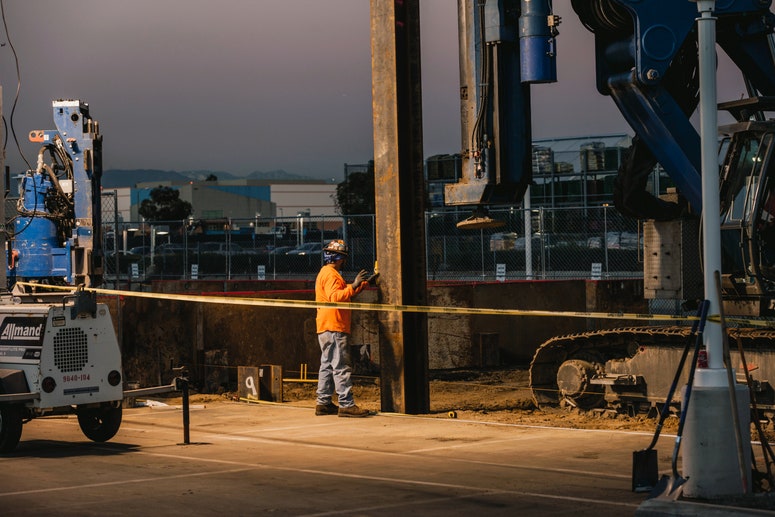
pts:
pixel 57 230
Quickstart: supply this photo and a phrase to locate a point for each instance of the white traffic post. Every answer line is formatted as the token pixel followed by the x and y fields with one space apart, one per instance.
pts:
pixel 710 460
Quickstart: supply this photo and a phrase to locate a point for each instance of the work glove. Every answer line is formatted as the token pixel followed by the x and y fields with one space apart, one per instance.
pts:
pixel 360 278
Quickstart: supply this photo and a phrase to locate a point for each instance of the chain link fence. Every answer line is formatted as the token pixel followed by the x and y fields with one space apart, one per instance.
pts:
pixel 258 248
pixel 564 243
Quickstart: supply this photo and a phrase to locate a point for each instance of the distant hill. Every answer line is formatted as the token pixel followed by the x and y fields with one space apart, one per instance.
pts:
pixel 118 178
pixel 275 175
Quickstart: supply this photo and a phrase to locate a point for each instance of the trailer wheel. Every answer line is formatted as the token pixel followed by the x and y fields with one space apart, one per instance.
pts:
pixel 10 427
pixel 99 424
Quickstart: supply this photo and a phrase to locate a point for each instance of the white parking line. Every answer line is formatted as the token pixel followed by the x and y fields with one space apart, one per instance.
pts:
pixel 124 482
pixel 473 490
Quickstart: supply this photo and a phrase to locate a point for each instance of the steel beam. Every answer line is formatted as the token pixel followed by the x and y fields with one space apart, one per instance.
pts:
pixel 400 202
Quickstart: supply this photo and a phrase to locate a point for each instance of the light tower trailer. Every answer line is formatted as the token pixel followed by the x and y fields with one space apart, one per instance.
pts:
pixel 58 358
pixel 59 353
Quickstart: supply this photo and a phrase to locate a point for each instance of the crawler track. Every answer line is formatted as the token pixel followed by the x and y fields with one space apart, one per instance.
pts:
pixel 631 368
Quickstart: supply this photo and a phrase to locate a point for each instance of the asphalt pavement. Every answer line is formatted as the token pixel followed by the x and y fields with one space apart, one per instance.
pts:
pixel 255 459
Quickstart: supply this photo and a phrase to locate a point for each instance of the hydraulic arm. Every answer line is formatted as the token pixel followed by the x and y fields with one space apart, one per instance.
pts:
pixel 504 46
pixel 646 61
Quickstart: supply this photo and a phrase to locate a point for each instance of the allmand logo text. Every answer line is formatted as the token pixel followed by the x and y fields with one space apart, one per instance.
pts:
pixel 21 331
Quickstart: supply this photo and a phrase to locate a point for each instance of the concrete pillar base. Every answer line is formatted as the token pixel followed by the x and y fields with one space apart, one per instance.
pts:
pixel 709 447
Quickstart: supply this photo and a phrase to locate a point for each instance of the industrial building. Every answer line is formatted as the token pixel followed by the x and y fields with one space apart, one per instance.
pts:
pixel 567 172
pixel 237 199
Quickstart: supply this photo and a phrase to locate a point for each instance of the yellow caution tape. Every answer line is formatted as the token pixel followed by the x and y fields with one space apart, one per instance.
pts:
pixel 308 304
pixel 715 318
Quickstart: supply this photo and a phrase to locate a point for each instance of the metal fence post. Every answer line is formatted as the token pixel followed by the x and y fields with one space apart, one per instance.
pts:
pixel 527 224
pixel 185 249
pixel 605 237
pixel 481 245
pixel 543 240
pixel 374 241
pixel 117 268
pixel 427 246
pixel 228 249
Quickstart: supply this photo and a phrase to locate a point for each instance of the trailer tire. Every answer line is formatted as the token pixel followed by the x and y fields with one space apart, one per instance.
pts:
pixel 99 424
pixel 11 420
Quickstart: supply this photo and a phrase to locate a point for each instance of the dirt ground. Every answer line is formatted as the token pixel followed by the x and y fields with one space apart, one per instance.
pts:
pixel 486 395
pixel 489 395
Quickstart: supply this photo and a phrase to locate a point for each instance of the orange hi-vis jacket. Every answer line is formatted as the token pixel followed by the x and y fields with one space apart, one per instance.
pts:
pixel 331 287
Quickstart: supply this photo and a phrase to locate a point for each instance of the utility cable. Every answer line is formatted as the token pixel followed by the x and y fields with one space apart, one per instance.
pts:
pixel 18 85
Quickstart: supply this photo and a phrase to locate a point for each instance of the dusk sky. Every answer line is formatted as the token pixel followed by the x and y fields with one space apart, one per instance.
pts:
pixel 246 85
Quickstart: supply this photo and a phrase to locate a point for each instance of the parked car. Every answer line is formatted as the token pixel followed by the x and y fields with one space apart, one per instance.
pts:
pixel 169 249
pixel 540 241
pixel 535 243
pixel 616 240
pixel 221 248
pixel 281 250
pixel 140 251
pixel 630 241
pixel 502 241
pixel 311 248
pixel 595 243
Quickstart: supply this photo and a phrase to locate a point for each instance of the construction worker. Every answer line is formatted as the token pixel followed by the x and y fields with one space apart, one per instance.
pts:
pixel 333 329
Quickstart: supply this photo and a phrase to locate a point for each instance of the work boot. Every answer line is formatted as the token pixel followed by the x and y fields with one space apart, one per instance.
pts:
pixel 353 412
pixel 326 409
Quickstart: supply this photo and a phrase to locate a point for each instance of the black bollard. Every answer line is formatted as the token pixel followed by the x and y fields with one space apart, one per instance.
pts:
pixel 186 436
pixel 181 383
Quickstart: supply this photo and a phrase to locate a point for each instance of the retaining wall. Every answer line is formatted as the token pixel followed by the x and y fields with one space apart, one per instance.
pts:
pixel 214 339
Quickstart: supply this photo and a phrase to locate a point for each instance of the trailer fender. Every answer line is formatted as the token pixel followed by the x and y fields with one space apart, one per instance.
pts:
pixel 12 381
